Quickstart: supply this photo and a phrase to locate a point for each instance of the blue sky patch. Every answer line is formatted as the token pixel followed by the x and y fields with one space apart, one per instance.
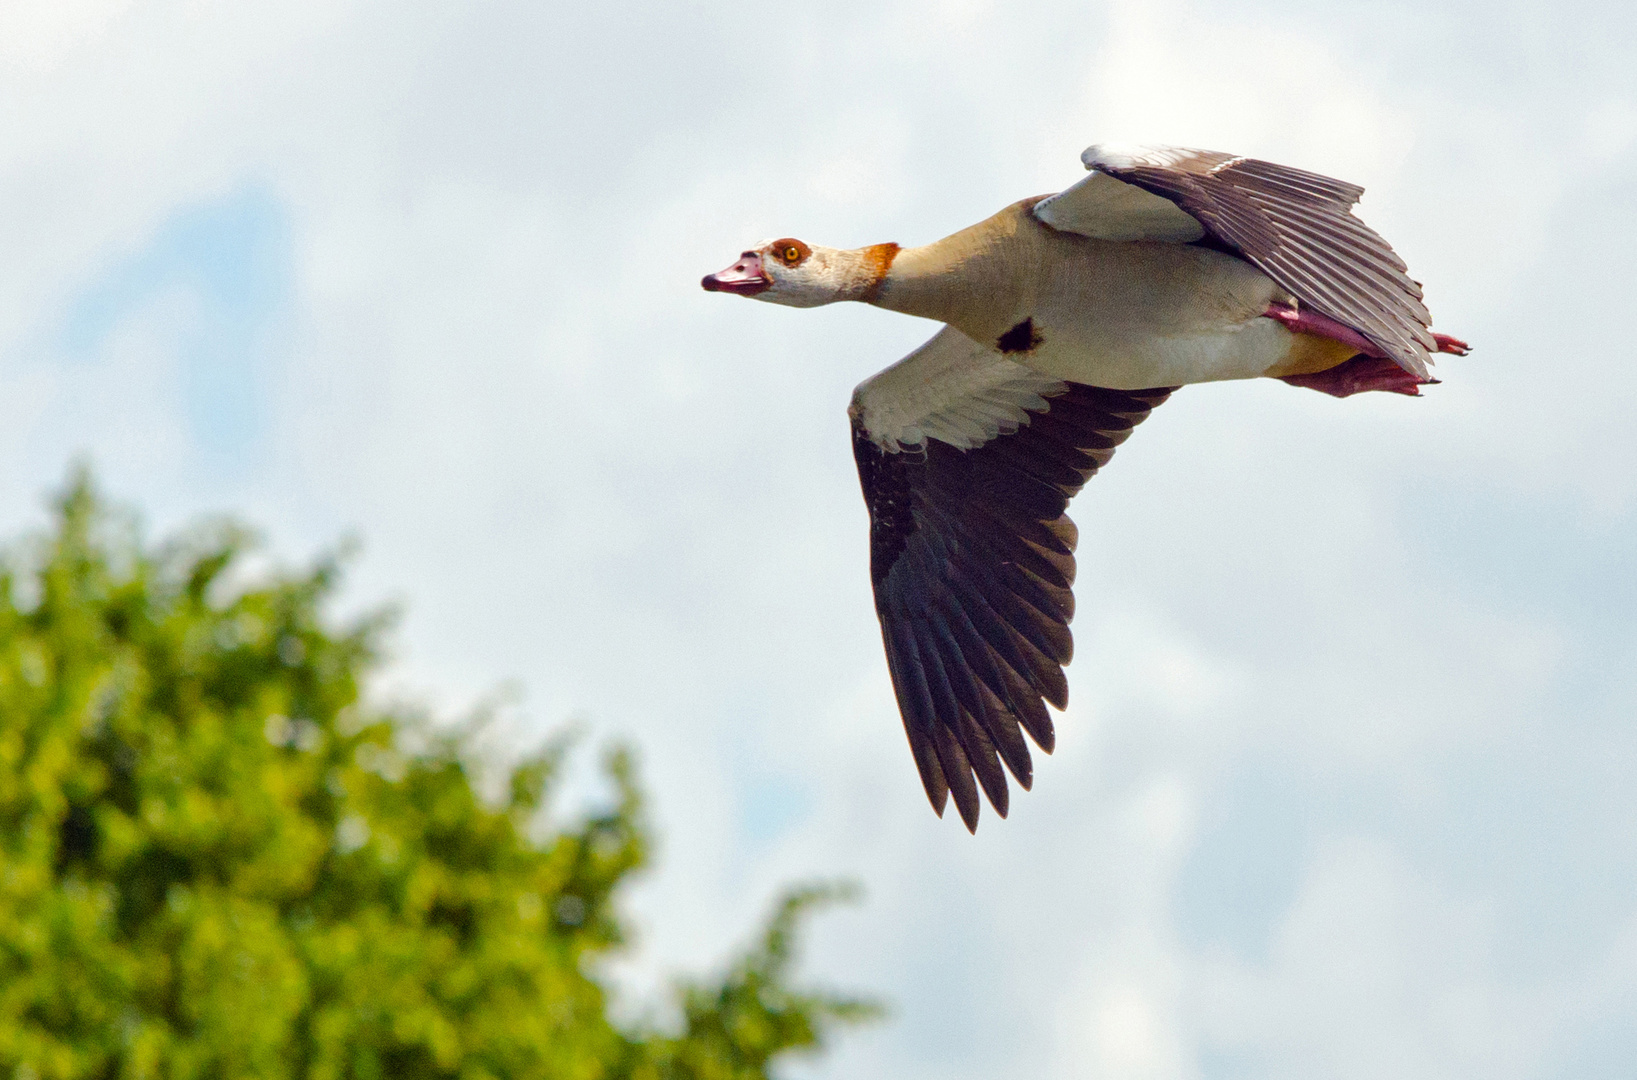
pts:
pixel 770 806
pixel 1239 881
pixel 232 258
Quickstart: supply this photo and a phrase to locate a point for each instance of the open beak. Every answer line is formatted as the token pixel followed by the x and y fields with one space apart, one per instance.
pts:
pixel 745 277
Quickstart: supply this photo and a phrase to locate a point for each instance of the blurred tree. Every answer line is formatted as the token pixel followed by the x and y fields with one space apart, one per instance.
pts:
pixel 216 860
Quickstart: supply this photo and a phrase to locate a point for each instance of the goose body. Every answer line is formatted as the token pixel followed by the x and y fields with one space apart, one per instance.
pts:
pixel 1123 314
pixel 1067 318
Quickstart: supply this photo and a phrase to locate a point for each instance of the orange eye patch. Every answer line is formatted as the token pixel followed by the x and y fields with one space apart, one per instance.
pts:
pixel 791 251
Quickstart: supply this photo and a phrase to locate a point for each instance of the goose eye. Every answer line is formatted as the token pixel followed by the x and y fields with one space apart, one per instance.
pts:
pixel 789 250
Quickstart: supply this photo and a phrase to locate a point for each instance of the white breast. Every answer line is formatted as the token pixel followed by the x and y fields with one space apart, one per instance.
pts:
pixel 1140 359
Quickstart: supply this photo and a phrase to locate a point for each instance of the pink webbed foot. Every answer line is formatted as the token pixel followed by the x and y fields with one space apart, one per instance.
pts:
pixel 1360 374
pixel 1451 344
pixel 1370 370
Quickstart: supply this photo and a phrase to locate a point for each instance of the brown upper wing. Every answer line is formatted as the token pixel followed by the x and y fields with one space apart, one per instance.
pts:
pixel 1295 226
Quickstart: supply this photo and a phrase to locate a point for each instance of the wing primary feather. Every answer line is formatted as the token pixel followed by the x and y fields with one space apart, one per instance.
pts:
pixel 1334 299
pixel 987 652
pixel 1004 642
pixel 1349 230
pixel 993 690
pixel 1048 462
pixel 1365 264
pixel 1338 193
pixel 982 559
pixel 1031 712
pixel 1027 663
pixel 980 753
pixel 1007 736
pixel 919 732
pixel 1043 633
pixel 958 771
pixel 1037 668
pixel 956 667
pixel 945 702
pixel 973 722
pixel 1366 283
pixel 1052 568
pixel 1004 566
pixel 1366 277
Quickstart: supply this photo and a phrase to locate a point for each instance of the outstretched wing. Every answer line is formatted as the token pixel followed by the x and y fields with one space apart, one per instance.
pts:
pixel 1295 226
pixel 968 461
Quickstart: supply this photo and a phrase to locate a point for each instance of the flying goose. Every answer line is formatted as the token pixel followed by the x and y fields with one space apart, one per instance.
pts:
pixel 1067 318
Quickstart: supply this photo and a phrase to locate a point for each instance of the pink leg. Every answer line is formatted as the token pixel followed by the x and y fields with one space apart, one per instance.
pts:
pixel 1359 374
pixel 1308 321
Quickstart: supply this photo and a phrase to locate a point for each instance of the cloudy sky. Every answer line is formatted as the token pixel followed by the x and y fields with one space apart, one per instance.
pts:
pixel 1346 787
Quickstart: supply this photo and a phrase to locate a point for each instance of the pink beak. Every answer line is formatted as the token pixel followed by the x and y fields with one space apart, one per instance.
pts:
pixel 745 277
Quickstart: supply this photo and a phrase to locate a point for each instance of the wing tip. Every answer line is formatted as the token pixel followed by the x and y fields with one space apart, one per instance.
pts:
pixel 932 775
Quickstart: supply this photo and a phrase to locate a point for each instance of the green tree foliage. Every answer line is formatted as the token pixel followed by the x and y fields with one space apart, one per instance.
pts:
pixel 217 860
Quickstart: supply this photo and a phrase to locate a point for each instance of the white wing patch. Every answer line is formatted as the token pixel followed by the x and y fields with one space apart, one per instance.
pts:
pixel 1105 208
pixel 1132 155
pixel 951 389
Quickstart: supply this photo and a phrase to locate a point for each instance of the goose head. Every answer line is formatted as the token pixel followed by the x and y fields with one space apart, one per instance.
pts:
pixel 790 272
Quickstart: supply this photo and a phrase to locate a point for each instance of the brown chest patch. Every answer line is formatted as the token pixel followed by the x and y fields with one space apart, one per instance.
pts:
pixel 1021 338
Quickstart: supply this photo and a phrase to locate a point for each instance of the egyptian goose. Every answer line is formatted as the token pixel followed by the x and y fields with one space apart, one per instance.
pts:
pixel 1067 318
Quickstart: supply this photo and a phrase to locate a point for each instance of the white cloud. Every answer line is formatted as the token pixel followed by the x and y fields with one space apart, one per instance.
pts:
pixel 1373 971
pixel 1175 72
pixel 35 34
